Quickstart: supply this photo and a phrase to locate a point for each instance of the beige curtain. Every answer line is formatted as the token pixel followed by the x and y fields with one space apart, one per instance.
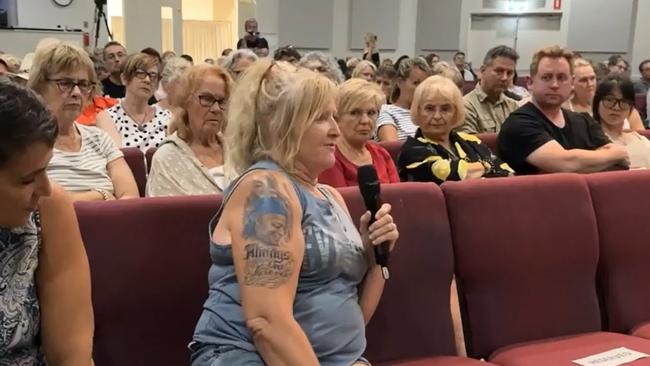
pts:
pixel 206 39
pixel 167 35
pixel 117 28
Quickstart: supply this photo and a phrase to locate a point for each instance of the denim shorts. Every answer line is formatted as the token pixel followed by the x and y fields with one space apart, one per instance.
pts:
pixel 212 355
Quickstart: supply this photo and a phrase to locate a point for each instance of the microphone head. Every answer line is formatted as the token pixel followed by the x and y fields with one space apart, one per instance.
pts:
pixel 368 181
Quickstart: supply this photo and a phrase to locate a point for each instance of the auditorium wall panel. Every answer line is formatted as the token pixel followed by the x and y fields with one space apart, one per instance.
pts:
pixel 363 18
pixel 640 48
pixel 438 25
pixel 606 30
pixel 306 23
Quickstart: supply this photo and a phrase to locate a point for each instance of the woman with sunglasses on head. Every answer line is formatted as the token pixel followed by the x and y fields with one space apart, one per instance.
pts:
pixel 133 122
pixel 85 162
pixel 292 281
pixel 190 160
pixel 613 104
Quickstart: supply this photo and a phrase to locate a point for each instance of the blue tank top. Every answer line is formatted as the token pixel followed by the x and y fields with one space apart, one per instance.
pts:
pixel 326 305
pixel 19 309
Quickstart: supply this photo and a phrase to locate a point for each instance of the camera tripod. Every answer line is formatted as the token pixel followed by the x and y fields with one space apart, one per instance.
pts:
pixel 99 15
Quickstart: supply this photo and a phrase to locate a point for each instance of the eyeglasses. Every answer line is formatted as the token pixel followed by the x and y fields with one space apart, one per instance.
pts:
pixel 207 101
pixel 611 102
pixel 141 74
pixel 67 85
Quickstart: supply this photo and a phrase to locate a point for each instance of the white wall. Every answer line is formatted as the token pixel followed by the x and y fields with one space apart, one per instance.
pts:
pixel 640 48
pixel 44 14
pixel 269 18
pixel 470 7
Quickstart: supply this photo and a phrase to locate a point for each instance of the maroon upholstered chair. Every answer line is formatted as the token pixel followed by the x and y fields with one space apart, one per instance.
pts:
pixel 640 103
pixel 149 157
pixel 490 139
pixel 468 86
pixel 149 264
pixel 642 331
pixel 622 208
pixel 522 81
pixel 135 159
pixel 393 148
pixel 526 252
pixel 413 319
pixel 645 133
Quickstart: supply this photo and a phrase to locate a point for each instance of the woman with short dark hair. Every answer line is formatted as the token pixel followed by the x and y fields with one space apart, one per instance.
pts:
pixel 613 104
pixel 133 122
pixel 45 303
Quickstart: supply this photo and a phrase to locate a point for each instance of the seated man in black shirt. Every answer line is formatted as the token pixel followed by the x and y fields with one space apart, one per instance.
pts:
pixel 114 57
pixel 542 137
pixel 252 39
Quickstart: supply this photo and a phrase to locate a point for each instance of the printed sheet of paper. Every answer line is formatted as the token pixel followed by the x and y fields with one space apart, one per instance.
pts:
pixel 615 357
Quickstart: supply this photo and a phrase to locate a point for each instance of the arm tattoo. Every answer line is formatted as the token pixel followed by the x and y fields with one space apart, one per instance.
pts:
pixel 267 230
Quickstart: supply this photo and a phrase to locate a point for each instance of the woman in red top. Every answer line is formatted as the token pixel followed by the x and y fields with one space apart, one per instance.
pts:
pixel 358 107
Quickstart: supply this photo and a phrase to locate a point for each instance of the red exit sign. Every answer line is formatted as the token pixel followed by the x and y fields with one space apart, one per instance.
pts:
pixel 557 4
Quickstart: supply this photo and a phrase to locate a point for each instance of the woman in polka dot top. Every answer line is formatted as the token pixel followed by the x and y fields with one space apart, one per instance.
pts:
pixel 133 122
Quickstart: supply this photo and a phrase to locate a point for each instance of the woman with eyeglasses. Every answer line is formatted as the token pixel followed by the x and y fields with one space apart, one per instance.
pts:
pixel 613 104
pixel 584 87
pixel 436 153
pixel 133 122
pixel 190 160
pixel 85 161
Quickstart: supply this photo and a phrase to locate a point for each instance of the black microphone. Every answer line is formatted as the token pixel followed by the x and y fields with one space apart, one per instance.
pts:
pixel 370 190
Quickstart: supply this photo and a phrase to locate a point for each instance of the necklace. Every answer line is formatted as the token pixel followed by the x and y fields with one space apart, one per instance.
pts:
pixel 132 116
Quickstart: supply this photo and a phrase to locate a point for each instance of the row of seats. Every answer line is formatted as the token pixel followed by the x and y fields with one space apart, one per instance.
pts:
pixel 549 268
pixel 490 139
pixel 141 163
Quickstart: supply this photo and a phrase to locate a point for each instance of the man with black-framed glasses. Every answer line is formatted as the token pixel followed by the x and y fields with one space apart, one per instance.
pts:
pixel 541 136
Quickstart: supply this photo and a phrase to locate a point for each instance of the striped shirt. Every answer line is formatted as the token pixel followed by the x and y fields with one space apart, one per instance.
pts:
pixel 86 169
pixel 398 117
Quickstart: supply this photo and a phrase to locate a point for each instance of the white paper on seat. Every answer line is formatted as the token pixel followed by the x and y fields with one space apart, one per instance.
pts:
pixel 615 357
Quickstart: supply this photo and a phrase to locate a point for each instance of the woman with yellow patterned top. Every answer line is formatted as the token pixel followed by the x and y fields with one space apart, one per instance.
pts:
pixel 437 153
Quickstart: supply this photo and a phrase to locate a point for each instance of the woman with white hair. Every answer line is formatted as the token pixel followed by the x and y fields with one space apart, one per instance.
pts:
pixel 238 61
pixel 436 153
pixel 365 70
pixel 172 72
pixel 323 64
pixel 281 242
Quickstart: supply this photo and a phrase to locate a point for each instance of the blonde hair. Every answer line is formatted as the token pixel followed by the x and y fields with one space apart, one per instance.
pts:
pixel 356 73
pixel 581 62
pixel 189 83
pixel 356 91
pixel 551 52
pixel 435 86
pixel 273 105
pixel 56 58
